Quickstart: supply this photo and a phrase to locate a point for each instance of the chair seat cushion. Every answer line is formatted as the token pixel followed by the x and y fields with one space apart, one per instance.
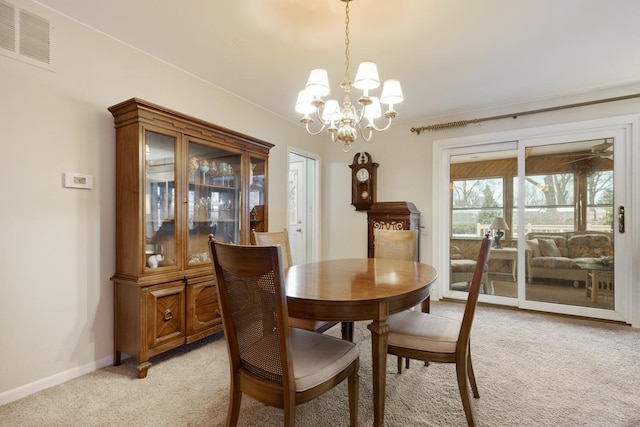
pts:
pixel 423 332
pixel 463 265
pixel 318 357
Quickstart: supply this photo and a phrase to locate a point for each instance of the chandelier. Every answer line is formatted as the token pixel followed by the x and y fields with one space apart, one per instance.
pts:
pixel 345 122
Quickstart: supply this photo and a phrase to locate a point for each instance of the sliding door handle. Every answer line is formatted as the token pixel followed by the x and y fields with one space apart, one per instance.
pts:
pixel 621 219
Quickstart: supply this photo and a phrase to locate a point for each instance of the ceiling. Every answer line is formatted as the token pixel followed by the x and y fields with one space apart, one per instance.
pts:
pixel 451 56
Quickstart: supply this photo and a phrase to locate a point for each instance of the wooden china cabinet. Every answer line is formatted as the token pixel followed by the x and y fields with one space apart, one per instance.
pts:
pixel 178 180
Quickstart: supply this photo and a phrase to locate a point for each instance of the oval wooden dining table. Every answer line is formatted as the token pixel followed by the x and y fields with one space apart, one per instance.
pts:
pixel 360 289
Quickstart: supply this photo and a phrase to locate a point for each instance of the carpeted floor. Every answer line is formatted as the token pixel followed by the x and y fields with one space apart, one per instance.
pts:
pixel 532 370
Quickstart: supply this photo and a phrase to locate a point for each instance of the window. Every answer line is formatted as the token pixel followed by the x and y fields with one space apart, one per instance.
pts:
pixel 600 201
pixel 475 203
pixel 549 202
pixel 559 196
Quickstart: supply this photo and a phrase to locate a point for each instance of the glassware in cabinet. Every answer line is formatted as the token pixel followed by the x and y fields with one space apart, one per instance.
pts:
pixel 213 199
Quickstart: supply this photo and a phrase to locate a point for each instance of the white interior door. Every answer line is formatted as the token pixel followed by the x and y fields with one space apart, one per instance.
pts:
pixel 302 207
pixel 297 213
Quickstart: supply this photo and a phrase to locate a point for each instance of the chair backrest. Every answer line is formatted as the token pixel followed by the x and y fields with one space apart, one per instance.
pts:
pixel 276 238
pixel 474 290
pixel 254 310
pixel 395 244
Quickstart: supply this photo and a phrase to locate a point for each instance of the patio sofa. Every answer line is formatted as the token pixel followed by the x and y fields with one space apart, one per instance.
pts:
pixel 558 255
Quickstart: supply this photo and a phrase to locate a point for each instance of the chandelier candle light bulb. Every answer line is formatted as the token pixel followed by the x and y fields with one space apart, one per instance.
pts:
pixel 344 123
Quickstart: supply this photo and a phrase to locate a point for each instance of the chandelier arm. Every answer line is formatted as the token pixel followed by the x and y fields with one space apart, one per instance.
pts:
pixel 310 132
pixel 319 114
pixel 359 114
pixel 369 135
pixel 374 127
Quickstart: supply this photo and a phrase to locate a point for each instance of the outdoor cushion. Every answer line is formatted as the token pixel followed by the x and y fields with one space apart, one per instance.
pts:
pixel 548 247
pixel 534 247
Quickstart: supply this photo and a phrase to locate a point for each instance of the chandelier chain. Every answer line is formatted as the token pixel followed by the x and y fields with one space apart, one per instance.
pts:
pixel 346 45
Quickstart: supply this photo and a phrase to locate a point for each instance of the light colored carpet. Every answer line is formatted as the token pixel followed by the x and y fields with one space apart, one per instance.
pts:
pixel 532 370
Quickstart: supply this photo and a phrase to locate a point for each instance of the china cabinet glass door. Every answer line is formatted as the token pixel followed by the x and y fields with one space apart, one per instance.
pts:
pixel 257 175
pixel 213 197
pixel 160 196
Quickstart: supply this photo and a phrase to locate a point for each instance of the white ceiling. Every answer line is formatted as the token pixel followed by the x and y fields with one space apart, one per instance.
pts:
pixel 451 56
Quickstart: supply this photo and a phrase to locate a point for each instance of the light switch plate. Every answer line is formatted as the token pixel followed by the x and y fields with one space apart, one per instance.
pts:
pixel 78 180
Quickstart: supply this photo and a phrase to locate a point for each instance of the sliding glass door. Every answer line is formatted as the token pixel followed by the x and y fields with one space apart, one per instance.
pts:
pixel 568 223
pixel 481 199
pixel 555 206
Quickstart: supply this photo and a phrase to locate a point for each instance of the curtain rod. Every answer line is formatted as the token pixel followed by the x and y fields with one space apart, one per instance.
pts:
pixel 463 123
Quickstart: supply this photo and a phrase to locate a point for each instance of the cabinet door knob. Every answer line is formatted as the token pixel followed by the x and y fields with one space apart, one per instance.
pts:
pixel 168 315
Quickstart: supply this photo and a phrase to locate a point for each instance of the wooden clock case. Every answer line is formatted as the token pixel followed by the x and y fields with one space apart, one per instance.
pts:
pixel 363 181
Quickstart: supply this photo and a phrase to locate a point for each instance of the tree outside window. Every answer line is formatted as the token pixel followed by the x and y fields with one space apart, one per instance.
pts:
pixel 475 203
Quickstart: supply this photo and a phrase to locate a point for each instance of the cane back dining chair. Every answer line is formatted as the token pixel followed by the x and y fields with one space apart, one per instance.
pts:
pixel 434 338
pixel 269 361
pixel 281 238
pixel 397 244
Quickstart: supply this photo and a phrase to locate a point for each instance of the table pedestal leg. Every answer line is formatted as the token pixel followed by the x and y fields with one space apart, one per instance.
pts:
pixel 379 333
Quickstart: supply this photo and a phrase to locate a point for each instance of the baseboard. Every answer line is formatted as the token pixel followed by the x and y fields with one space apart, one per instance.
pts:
pixel 59 378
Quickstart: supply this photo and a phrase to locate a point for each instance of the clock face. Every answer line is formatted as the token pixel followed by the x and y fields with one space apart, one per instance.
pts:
pixel 362 175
